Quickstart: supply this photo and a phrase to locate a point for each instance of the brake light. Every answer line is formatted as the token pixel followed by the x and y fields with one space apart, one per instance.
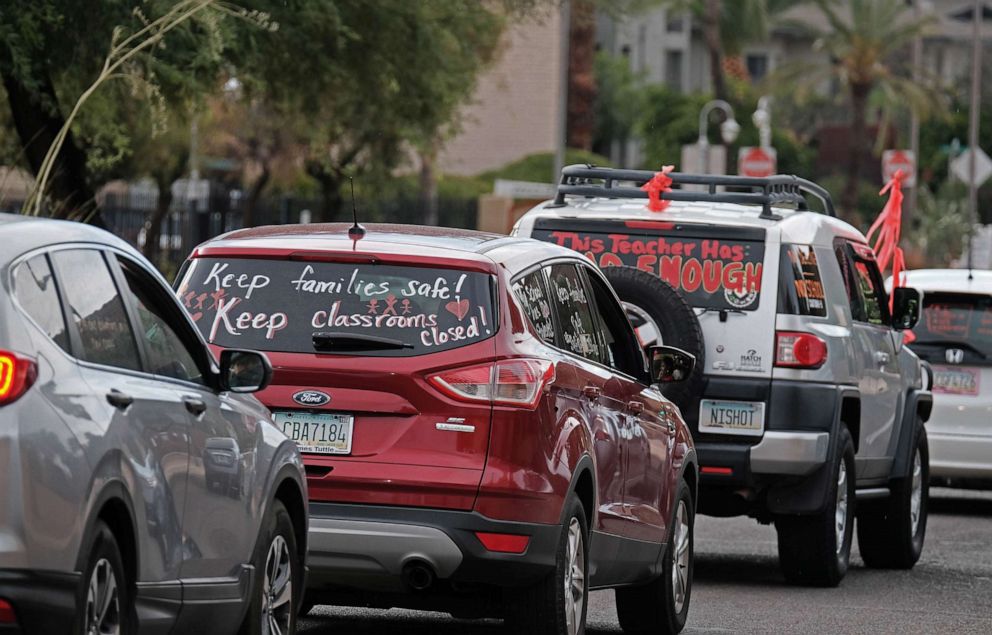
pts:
pixel 799 350
pixel 511 382
pixel 7 613
pixel 17 373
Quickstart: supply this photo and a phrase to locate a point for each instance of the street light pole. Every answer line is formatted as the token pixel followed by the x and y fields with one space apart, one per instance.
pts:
pixel 976 86
pixel 762 119
pixel 561 136
pixel 728 129
pixel 914 120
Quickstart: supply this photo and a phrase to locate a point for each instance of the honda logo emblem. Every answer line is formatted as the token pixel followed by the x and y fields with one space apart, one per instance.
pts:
pixel 954 355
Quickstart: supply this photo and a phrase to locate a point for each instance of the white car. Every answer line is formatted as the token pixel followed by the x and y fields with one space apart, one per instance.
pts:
pixel 954 334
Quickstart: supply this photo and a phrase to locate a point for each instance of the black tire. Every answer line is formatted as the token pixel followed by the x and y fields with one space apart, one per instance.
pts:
pixel 677 324
pixel 276 532
pixel 808 549
pixel 652 608
pixel 105 560
pixel 887 534
pixel 541 609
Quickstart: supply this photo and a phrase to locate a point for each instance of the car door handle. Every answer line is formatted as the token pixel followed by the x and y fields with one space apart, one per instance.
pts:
pixel 592 392
pixel 195 405
pixel 881 357
pixel 119 400
pixel 635 407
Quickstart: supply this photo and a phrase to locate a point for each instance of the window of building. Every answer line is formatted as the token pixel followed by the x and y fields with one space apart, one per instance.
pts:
pixel 757 66
pixel 673 69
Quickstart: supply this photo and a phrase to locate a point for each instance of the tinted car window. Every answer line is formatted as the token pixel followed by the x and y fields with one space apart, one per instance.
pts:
pixel 574 310
pixel 166 353
pixel 96 309
pixel 620 347
pixel 34 288
pixel 532 293
pixel 865 290
pixel 800 286
pixel 335 307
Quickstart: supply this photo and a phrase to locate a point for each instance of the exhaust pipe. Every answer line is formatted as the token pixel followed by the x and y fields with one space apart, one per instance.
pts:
pixel 418 574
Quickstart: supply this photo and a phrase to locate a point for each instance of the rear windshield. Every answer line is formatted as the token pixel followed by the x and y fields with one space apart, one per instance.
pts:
pixel 711 273
pixel 960 321
pixel 325 307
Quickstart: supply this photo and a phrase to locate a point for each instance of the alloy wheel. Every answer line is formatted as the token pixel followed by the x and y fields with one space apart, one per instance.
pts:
pixel 916 496
pixel 103 609
pixel 680 557
pixel 277 589
pixel 575 578
pixel 841 512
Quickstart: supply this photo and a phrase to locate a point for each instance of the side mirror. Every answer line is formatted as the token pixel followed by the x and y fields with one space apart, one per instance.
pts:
pixel 244 371
pixel 670 364
pixel 905 308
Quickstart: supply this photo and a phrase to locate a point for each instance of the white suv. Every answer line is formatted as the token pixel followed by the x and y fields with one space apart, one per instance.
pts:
pixel 955 336
pixel 805 406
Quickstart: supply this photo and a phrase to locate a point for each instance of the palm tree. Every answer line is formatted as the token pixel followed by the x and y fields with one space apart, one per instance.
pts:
pixel 727 26
pixel 861 53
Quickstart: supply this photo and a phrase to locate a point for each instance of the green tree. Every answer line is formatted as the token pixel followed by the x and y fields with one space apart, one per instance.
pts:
pixel 372 80
pixel 861 52
pixel 728 25
pixel 54 57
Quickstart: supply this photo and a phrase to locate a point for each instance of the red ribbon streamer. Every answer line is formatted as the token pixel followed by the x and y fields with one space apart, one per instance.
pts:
pixel 889 228
pixel 658 184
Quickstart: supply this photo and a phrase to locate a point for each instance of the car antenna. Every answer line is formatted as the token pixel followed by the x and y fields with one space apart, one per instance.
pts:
pixel 356 231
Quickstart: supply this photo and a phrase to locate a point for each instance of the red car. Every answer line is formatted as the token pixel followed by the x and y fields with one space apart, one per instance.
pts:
pixel 476 417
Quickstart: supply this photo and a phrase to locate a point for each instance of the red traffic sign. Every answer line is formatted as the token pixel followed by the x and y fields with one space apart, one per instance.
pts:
pixel 904 160
pixel 754 161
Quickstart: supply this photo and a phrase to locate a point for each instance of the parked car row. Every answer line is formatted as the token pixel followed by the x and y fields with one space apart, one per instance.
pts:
pixel 489 425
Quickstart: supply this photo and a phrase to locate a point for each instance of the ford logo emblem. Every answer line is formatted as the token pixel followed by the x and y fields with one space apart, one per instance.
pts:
pixel 311 398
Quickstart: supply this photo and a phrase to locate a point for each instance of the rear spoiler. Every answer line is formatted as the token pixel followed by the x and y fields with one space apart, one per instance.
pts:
pixel 778 190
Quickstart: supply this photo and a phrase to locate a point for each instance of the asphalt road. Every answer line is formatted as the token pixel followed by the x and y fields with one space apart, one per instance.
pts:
pixel 738 587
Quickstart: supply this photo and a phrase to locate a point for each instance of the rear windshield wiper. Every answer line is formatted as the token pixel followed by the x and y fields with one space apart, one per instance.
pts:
pixel 355 342
pixel 951 344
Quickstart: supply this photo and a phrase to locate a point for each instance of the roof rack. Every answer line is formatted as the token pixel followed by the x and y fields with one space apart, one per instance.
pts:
pixel 781 189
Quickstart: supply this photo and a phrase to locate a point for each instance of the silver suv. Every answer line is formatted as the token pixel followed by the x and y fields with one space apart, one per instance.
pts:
pixel 139 492
pixel 805 406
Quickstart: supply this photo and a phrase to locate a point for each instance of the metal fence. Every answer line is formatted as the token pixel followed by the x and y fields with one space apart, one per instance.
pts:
pixel 189 223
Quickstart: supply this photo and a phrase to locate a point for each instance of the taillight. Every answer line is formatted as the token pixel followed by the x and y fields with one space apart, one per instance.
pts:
pixel 799 350
pixel 7 616
pixel 511 382
pixel 17 373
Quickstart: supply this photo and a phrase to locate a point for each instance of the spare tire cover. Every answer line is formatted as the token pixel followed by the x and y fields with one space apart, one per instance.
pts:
pixel 660 315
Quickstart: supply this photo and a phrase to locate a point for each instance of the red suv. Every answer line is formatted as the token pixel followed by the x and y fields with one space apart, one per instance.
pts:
pixel 476 418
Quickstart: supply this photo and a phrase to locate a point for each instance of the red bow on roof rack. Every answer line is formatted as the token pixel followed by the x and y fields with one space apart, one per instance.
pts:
pixel 889 227
pixel 661 182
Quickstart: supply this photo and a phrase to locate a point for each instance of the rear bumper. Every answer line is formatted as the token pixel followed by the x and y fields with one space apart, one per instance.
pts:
pixel 782 471
pixel 962 456
pixel 367 547
pixel 43 602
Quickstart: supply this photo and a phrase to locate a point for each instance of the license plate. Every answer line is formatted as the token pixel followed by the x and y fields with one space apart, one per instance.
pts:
pixel 732 417
pixel 955 381
pixel 317 433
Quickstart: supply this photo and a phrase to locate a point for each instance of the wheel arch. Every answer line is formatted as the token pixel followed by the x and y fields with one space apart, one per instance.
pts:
pixel 114 507
pixel 849 414
pixel 292 495
pixel 583 485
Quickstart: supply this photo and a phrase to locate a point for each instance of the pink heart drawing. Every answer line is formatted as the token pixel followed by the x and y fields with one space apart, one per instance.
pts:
pixel 458 309
pixel 196 316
